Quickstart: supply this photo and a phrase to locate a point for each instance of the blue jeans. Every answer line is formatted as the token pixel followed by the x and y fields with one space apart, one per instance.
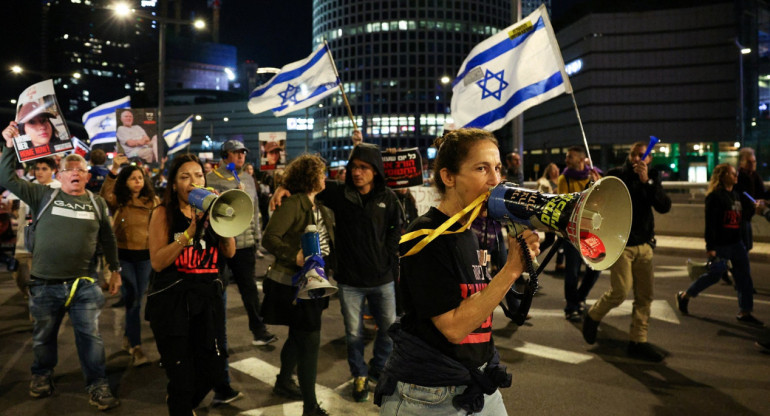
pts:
pixel 573 294
pixel 135 276
pixel 739 256
pixel 414 400
pixel 46 304
pixel 382 304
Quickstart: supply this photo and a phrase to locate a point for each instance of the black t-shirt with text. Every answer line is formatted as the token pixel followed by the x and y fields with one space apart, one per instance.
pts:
pixel 435 281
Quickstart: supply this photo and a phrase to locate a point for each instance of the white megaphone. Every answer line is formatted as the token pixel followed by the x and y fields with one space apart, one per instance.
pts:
pixel 230 212
pixel 596 221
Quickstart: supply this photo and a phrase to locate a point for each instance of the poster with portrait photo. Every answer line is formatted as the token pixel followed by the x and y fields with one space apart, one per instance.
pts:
pixel 42 128
pixel 137 134
pixel 272 149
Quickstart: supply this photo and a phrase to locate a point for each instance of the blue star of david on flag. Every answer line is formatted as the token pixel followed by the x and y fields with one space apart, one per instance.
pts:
pixel 501 84
pixel 107 124
pixel 289 94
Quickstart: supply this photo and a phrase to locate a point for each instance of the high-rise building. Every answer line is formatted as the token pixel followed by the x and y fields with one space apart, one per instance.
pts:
pixel 84 37
pixel 397 60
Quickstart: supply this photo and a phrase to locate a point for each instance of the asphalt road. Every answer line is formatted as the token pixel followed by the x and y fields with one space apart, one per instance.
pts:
pixel 712 367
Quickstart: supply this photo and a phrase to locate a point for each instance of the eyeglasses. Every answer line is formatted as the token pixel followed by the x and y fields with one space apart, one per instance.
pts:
pixel 76 170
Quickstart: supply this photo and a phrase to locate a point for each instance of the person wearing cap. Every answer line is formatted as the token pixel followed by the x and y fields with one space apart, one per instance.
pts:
pixel 273 152
pixel 243 264
pixel 134 140
pixel 36 129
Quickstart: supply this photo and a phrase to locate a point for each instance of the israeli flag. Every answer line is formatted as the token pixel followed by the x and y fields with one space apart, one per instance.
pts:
pixel 516 69
pixel 179 137
pixel 100 122
pixel 299 85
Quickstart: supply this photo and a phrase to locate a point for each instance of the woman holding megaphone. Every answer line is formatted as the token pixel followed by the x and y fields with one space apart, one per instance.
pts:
pixel 444 360
pixel 305 177
pixel 184 303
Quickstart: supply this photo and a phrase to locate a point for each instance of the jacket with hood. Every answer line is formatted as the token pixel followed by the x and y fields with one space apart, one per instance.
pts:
pixel 368 226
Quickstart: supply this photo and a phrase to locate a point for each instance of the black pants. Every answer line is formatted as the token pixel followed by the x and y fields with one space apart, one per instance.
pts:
pixel 243 268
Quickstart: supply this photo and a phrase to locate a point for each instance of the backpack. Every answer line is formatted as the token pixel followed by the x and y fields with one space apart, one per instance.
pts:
pixel 29 230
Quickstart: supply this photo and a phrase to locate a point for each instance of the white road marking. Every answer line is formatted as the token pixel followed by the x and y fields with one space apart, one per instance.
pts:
pixel 706 295
pixel 660 309
pixel 551 353
pixel 330 400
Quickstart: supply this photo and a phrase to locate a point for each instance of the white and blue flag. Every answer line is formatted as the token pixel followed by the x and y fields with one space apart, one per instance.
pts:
pixel 100 122
pixel 299 84
pixel 179 136
pixel 516 69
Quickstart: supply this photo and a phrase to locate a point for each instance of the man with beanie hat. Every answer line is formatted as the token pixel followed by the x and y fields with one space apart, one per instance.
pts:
pixel 367 247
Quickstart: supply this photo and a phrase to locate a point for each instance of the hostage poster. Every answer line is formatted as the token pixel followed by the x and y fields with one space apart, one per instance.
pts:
pixel 402 168
pixel 42 129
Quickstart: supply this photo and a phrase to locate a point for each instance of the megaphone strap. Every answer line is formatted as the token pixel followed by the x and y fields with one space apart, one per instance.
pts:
pixel 474 206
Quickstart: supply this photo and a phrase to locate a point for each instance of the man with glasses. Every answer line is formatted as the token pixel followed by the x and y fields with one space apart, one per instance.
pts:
pixel 66 234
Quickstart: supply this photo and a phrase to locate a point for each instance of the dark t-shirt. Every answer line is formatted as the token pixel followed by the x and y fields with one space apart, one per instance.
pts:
pixel 435 281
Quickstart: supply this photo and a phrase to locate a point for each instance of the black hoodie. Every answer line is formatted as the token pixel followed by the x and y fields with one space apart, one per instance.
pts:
pixel 368 228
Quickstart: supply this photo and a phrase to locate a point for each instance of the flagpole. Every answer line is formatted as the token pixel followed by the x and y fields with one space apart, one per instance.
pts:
pixel 342 90
pixel 582 131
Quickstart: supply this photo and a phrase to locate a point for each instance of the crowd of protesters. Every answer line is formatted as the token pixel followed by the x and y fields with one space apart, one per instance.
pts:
pixel 146 243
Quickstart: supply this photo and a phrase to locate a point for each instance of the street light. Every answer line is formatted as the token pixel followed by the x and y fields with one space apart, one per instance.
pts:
pixel 743 51
pixel 16 69
pixel 123 10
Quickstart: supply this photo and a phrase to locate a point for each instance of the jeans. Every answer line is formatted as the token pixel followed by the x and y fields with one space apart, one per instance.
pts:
pixel 739 256
pixel 382 304
pixel 243 266
pixel 46 305
pixel 572 293
pixel 136 276
pixel 414 400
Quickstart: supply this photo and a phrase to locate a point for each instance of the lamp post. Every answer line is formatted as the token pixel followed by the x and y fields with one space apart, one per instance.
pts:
pixel 743 51
pixel 123 10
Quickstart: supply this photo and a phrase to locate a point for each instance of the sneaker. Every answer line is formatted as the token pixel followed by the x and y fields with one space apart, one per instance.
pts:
pixel 317 411
pixel 763 347
pixel 590 327
pixel 681 303
pixel 264 338
pixel 102 398
pixel 225 396
pixel 644 351
pixel 41 386
pixel 573 316
pixel 138 357
pixel 749 319
pixel 360 389
pixel 287 388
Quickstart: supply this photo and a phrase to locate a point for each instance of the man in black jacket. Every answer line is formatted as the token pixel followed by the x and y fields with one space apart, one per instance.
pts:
pixel 367 232
pixel 634 267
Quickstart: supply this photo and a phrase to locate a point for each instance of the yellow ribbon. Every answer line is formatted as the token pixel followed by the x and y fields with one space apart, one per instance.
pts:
pixel 474 206
pixel 232 178
pixel 75 288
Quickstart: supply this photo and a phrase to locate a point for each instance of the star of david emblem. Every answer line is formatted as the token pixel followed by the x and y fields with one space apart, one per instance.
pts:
pixel 106 124
pixel 490 81
pixel 289 94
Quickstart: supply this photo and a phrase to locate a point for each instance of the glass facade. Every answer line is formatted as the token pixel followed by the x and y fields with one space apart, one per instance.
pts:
pixel 396 59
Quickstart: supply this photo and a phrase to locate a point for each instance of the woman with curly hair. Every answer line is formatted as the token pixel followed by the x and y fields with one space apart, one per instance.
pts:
pixel 131 199
pixel 304 178
pixel 724 206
